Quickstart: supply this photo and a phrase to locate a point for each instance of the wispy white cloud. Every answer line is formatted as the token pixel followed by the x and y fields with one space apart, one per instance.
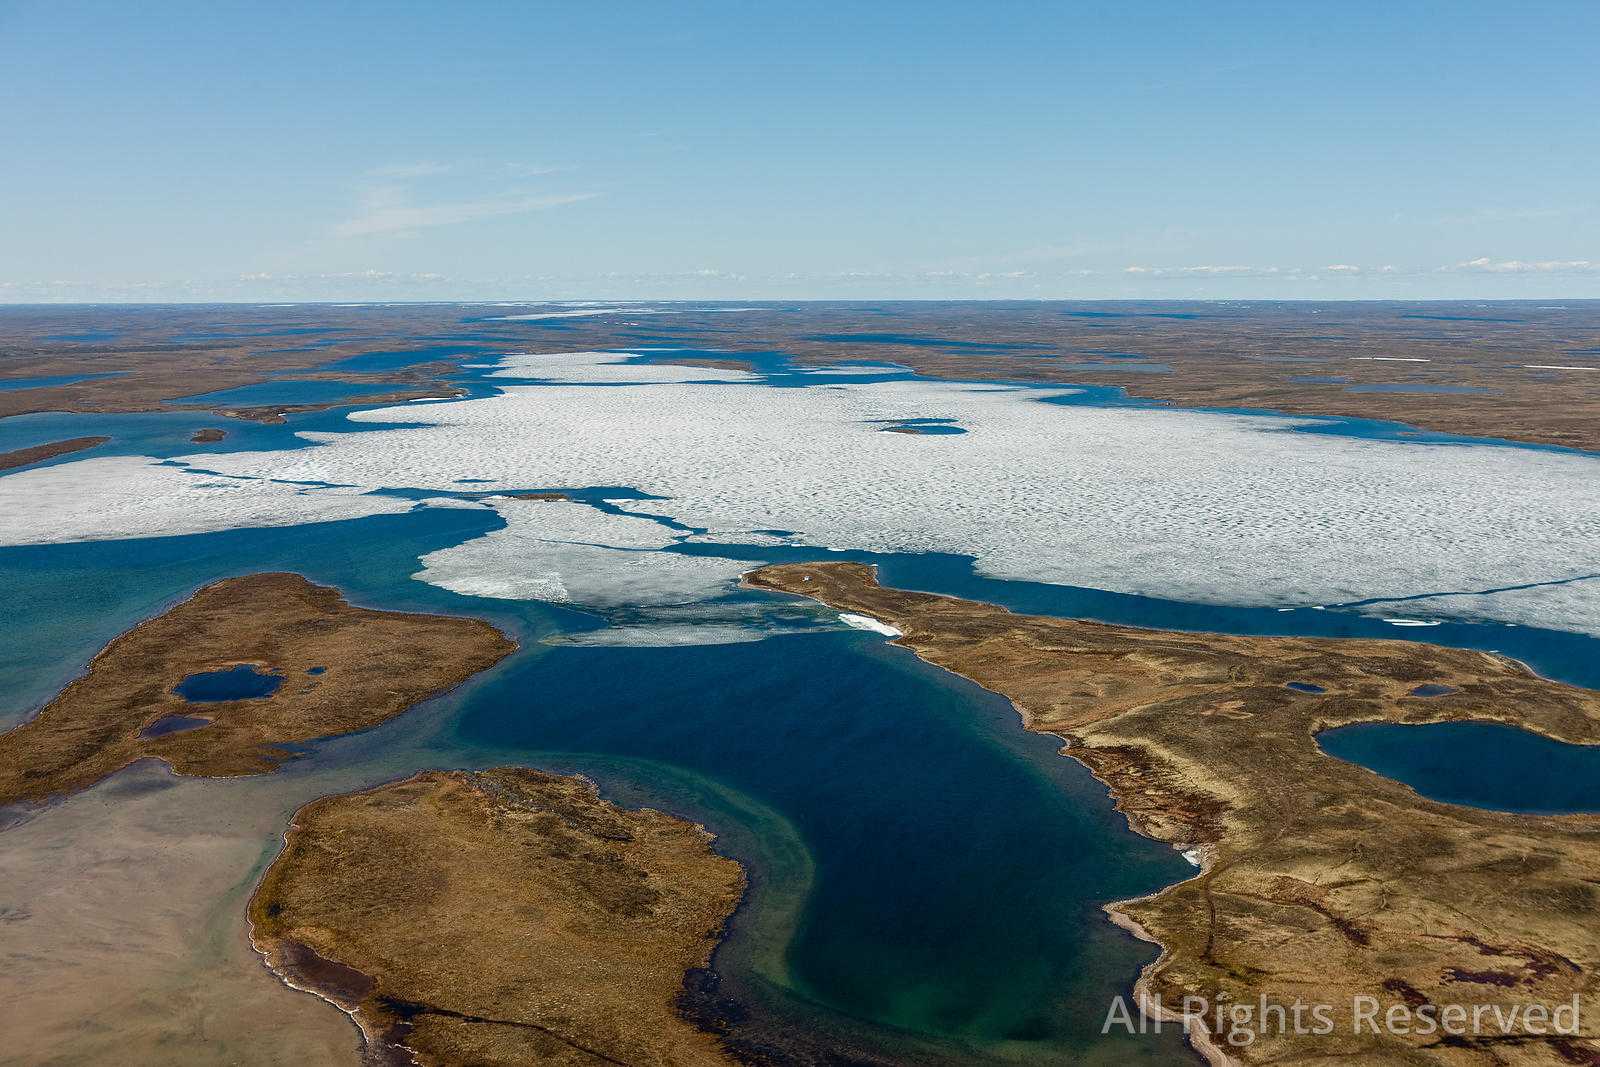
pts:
pixel 528 170
pixel 347 275
pixel 1485 265
pixel 388 201
pixel 400 218
pixel 1509 213
pixel 1213 270
pixel 410 171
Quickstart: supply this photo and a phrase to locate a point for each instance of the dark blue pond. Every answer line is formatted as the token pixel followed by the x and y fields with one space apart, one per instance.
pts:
pixel 1479 764
pixel 242 682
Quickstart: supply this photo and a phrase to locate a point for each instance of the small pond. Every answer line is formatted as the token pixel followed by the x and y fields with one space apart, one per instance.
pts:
pixel 241 682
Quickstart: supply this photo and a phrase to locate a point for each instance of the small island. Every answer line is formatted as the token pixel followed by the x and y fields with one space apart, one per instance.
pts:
pixel 334 669
pixel 500 917
pixel 22 457
pixel 1319 880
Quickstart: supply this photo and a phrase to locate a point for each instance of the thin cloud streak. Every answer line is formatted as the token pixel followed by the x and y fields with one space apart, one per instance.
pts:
pixel 403 219
pixel 1485 265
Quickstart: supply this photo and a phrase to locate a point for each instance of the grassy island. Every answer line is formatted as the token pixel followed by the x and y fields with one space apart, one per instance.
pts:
pixel 343 669
pixel 502 917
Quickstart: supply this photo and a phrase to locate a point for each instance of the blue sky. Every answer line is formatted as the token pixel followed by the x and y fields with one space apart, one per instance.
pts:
pixel 168 151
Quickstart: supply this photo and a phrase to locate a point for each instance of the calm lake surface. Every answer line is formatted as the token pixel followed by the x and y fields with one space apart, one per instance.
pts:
pixel 1479 764
pixel 243 682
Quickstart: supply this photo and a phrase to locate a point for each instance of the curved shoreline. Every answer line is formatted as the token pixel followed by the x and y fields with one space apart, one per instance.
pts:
pixel 630 902
pixel 23 457
pixel 1202 746
pixel 383 663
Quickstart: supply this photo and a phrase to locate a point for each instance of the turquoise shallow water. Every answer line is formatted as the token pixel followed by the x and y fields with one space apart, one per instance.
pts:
pixel 926 876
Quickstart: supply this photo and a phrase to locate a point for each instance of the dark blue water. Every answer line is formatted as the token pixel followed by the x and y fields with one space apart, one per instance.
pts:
pixel 241 682
pixel 1304 687
pixel 931 427
pixel 287 391
pixel 1319 379
pixel 1432 689
pixel 952 877
pixel 1479 764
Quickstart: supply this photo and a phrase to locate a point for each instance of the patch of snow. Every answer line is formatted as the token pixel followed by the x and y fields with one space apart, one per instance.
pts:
pixel 868 623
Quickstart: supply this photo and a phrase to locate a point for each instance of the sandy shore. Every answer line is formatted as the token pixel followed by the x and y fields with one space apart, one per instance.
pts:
pixel 122 931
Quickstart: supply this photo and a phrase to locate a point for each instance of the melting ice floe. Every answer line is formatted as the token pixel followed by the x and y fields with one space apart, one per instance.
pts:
pixel 867 622
pixel 1176 504
pixel 136 496
pixel 569 552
